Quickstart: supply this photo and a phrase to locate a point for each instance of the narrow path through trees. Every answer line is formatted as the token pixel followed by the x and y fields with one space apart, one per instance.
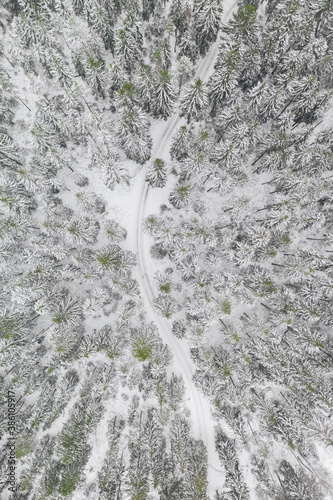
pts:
pixel 202 421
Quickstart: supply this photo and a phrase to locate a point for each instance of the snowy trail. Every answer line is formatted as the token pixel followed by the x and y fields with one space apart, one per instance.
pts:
pixel 202 420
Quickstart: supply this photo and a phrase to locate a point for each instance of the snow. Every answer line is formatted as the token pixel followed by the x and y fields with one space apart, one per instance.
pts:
pixel 202 420
pixel 129 205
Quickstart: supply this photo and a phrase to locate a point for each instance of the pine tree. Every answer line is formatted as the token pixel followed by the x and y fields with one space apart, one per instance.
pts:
pixel 145 86
pixel 238 488
pixel 195 163
pixel 187 45
pixel 166 305
pixel 298 484
pixel 67 312
pixel 112 172
pixel 252 67
pixel 197 472
pixel 109 257
pixel 143 342
pixel 166 53
pixel 157 174
pixel 102 18
pixel 207 19
pixel 221 84
pixel 181 143
pixel 129 42
pixel 137 482
pixel 179 329
pixel 85 200
pixel 56 66
pixel 95 75
pixel 180 196
pixel 244 24
pixel 114 231
pixel 8 153
pixel 117 77
pixel 194 100
pixel 153 435
pixel 180 441
pixel 33 27
pixel 185 70
pixel 14 228
pixel 164 94
pixel 112 471
pixel 133 134
pixel 81 230
pixel 126 49
pixel 83 41
pixel 180 12
pixel 45 136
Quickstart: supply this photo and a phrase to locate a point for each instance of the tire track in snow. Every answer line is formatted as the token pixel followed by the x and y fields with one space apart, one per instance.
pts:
pixel 202 421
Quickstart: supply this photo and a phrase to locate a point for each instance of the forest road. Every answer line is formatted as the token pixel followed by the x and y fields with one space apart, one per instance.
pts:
pixel 202 420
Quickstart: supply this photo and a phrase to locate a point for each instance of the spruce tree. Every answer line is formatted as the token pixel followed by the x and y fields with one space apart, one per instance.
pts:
pixel 207 19
pixel 157 175
pixel 194 100
pixel 164 94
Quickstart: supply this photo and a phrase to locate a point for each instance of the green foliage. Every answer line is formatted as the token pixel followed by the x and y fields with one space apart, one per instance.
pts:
pixel 256 173
pixel 51 479
pixel 108 257
pixel 72 441
pixel 142 348
pixel 225 306
pixel 71 478
pixel 67 312
pixel 24 446
pixel 180 196
pixel 197 480
pixel 165 288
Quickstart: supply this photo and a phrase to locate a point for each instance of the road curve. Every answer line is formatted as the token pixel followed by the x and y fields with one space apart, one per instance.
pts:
pixel 202 423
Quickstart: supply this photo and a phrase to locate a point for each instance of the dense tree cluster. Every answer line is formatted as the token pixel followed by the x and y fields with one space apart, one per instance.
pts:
pixel 247 236
pixel 78 91
pixel 242 243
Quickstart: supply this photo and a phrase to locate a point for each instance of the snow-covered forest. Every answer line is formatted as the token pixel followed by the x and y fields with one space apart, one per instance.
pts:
pixel 166 249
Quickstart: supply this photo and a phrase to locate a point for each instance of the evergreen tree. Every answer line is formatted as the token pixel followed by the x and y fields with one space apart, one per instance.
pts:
pixel 8 152
pixel 180 196
pixel 187 44
pixel 162 56
pixel 129 42
pixel 114 231
pixel 133 134
pixel 180 441
pixel 195 163
pixel 164 94
pixel 157 175
pixel 81 230
pixel 194 100
pixel 102 18
pixel 95 75
pixel 56 66
pixel 165 305
pixel 220 85
pixel 145 86
pixel 180 12
pixel 207 19
pixel 181 143
pixel 185 71
pixel 197 471
pixel 66 312
pixel 244 24
pixel 116 78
